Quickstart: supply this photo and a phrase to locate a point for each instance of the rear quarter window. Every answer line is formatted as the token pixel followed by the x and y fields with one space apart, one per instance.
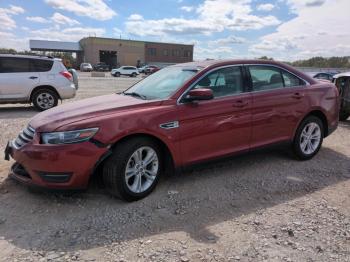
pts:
pixel 270 77
pixel 42 65
pixel 291 80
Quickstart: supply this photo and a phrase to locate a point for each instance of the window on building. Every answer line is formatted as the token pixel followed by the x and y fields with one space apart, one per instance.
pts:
pixel 165 52
pixel 176 52
pixel 152 51
pixel 187 53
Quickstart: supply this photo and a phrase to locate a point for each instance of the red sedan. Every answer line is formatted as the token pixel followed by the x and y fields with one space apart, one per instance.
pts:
pixel 178 116
pixel 151 69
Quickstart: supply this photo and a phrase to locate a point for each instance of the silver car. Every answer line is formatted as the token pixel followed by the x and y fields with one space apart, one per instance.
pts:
pixel 86 67
pixel 33 79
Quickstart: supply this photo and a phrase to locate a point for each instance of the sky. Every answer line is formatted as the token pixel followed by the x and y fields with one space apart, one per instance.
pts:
pixel 283 29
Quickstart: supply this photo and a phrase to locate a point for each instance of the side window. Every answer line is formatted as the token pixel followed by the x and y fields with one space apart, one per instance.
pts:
pixel 291 80
pixel 223 82
pixel 40 65
pixel 265 77
pixel 15 65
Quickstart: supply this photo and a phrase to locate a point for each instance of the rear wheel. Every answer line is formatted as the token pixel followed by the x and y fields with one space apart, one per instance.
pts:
pixel 44 99
pixel 309 137
pixel 133 170
pixel 343 116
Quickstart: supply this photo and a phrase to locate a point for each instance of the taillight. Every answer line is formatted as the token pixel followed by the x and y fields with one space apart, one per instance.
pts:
pixel 67 75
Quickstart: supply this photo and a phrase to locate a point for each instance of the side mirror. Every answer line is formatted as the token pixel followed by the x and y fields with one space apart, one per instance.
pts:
pixel 199 94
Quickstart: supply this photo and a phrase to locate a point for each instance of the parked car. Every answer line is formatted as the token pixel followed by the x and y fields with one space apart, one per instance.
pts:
pixel 131 71
pixel 180 115
pixel 342 81
pixel 86 67
pixel 101 67
pixel 325 76
pixel 142 69
pixel 32 79
pixel 151 69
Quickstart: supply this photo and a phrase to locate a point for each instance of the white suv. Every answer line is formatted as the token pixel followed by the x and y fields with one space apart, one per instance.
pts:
pixel 131 71
pixel 33 79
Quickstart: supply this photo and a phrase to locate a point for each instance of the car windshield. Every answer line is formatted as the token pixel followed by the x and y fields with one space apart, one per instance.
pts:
pixel 162 84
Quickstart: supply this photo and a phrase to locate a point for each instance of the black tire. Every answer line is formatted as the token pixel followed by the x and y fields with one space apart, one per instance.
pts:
pixel 114 168
pixel 117 74
pixel 51 96
pixel 133 75
pixel 343 116
pixel 297 139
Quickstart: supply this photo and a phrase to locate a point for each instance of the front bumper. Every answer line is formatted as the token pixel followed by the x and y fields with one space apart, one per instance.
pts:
pixel 54 166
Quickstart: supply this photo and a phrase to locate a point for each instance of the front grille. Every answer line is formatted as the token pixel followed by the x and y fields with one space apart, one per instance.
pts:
pixel 24 137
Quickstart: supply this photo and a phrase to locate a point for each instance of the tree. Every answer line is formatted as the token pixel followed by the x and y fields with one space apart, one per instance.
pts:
pixel 266 58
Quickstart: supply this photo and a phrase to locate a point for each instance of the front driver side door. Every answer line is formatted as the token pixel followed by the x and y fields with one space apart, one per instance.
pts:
pixel 220 126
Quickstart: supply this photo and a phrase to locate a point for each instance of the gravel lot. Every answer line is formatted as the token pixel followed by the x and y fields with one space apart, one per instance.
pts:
pixel 262 206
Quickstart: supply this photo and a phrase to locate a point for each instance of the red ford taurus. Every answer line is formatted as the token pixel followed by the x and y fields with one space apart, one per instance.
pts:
pixel 180 115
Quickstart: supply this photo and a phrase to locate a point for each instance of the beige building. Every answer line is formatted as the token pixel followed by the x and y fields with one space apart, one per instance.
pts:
pixel 112 51
pixel 119 52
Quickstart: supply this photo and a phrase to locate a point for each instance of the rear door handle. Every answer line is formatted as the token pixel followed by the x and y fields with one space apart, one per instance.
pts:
pixel 297 95
pixel 33 77
pixel 240 103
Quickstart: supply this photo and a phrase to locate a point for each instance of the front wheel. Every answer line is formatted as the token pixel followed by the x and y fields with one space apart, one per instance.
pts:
pixel 309 137
pixel 44 99
pixel 117 74
pixel 133 170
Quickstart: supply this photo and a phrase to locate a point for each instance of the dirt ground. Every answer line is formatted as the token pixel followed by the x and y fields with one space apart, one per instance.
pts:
pixel 262 206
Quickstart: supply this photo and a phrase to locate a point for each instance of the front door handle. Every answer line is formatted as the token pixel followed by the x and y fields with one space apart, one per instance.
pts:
pixel 297 95
pixel 33 77
pixel 240 103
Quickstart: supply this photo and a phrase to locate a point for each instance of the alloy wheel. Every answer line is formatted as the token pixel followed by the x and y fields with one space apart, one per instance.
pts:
pixel 310 138
pixel 141 169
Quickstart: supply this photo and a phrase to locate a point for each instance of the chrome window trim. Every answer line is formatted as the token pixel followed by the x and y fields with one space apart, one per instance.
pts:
pixel 199 79
pixel 307 83
pixel 282 68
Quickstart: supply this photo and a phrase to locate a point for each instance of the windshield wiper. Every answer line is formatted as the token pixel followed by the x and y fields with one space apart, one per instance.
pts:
pixel 136 94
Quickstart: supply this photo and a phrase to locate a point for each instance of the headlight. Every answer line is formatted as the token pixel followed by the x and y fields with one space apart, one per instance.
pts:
pixel 68 137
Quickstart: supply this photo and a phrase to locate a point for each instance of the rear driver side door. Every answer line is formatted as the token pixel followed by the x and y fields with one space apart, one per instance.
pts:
pixel 279 103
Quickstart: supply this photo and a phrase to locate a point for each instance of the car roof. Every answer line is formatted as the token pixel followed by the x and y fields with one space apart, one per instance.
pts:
pixel 218 63
pixel 346 74
pixel 212 62
pixel 30 56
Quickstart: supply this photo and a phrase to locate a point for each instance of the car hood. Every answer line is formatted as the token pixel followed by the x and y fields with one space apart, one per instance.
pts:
pixel 54 118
